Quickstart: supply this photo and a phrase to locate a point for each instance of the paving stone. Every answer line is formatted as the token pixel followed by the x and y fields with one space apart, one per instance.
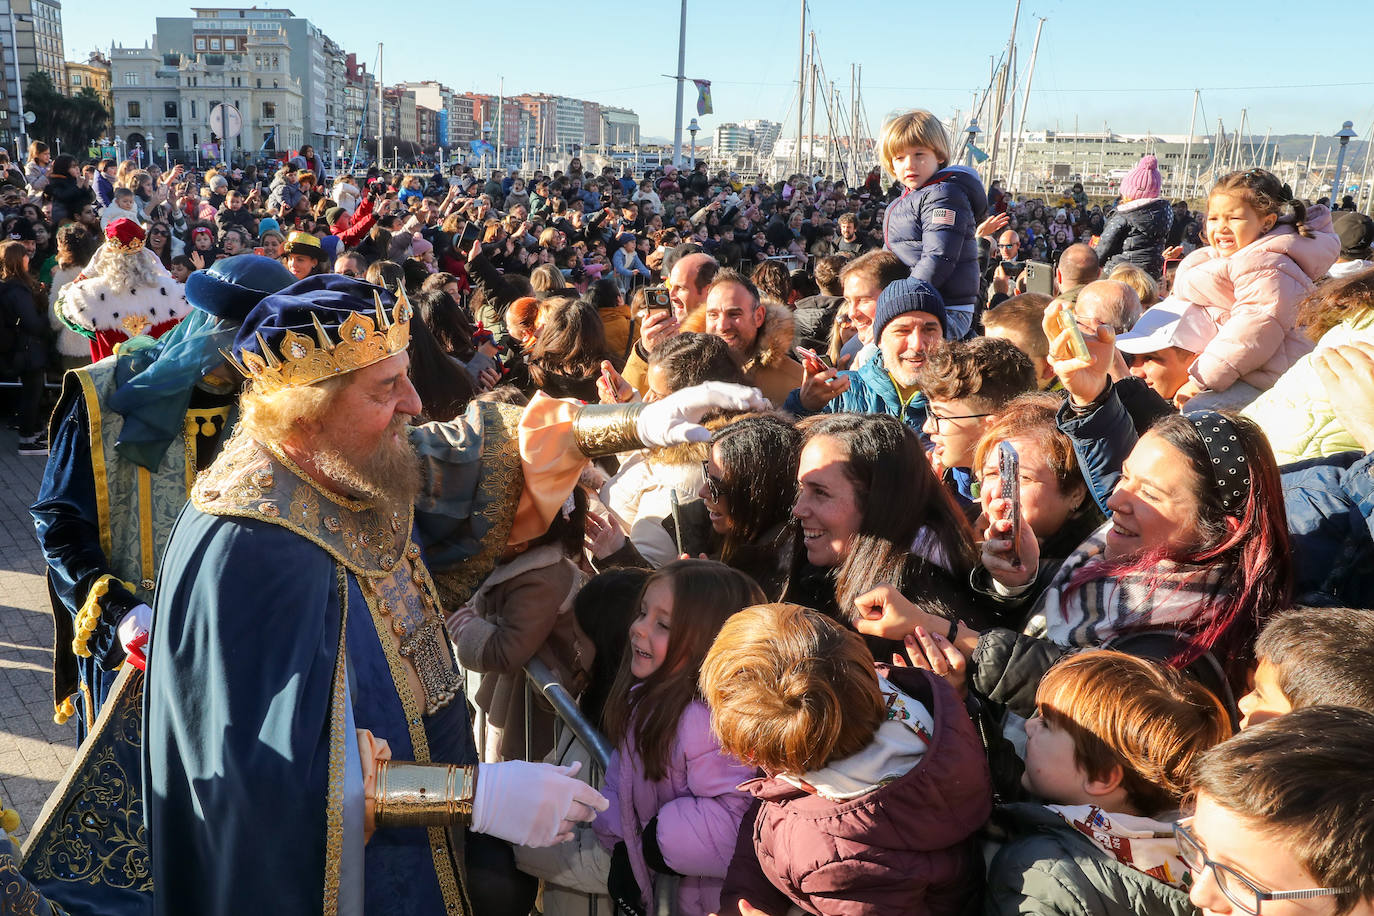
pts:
pixel 34 752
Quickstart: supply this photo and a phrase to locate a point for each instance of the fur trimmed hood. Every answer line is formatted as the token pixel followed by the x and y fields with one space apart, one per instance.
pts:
pixel 92 304
pixel 773 345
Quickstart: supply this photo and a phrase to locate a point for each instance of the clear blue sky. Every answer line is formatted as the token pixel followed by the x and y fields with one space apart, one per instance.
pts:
pixel 1131 64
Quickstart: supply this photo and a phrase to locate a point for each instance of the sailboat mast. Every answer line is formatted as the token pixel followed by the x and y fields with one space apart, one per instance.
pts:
pixel 1025 105
pixel 801 85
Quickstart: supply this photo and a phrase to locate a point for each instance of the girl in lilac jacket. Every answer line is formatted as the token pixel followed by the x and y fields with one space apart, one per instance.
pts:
pixel 675 806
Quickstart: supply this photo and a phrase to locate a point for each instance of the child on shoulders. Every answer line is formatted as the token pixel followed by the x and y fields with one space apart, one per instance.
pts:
pixel 931 226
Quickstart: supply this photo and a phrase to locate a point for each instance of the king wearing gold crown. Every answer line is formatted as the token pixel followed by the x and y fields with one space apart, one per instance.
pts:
pixel 307 740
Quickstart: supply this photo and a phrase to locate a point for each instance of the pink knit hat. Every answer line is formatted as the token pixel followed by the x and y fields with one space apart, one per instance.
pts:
pixel 1143 180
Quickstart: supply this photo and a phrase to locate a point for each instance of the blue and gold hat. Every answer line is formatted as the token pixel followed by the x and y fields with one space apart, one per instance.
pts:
pixel 318 328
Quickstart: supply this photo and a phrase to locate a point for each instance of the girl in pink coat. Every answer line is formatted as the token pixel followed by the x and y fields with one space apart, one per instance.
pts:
pixel 675 806
pixel 1264 253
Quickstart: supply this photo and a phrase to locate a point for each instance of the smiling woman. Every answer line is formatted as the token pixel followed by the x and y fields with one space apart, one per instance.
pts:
pixel 871 510
pixel 1196 553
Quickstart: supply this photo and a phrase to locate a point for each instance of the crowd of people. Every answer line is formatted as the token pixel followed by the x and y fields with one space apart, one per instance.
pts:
pixel 1032 575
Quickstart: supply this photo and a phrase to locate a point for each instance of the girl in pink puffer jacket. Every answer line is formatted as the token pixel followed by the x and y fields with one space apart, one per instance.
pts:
pixel 1264 253
pixel 675 806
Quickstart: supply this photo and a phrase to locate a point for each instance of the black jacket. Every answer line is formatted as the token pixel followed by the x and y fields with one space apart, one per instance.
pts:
pixel 68 196
pixel 24 330
pixel 1136 234
pixel 814 316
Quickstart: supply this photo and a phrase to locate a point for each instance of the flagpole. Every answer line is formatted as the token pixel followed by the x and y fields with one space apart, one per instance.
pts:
pixel 681 64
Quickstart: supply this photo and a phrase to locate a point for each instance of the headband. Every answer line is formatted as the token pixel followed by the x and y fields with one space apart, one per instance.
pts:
pixel 1222 442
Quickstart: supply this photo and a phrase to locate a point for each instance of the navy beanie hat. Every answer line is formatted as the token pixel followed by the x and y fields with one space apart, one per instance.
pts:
pixel 231 287
pixel 907 295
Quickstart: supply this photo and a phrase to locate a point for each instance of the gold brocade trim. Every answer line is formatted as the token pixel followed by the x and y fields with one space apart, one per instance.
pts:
pixel 438 836
pixel 334 804
pixel 102 485
pixel 499 491
pixel 248 480
pixel 607 429
pixel 188 441
pixel 96 849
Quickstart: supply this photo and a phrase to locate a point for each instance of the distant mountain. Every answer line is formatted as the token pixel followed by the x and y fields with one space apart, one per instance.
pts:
pixel 1296 146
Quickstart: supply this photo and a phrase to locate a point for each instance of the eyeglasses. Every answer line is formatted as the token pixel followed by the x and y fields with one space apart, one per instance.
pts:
pixel 712 483
pixel 1239 889
pixel 968 416
pixel 1012 245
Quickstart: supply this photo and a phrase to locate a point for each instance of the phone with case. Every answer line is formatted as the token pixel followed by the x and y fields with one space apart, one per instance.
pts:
pixel 1009 476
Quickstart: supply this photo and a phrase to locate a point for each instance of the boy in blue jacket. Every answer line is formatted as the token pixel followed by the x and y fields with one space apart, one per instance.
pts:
pixel 931 226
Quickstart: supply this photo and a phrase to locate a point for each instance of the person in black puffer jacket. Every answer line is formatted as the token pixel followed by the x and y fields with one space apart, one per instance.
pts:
pixel 24 335
pixel 1139 229
pixel 65 190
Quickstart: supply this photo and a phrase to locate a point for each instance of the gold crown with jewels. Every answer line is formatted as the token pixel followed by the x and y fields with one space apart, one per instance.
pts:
pixel 302 360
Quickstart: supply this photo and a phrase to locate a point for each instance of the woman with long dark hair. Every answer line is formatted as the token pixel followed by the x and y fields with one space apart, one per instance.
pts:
pixel 749 488
pixel 162 243
pixel 565 360
pixel 871 510
pixel 24 336
pixel 65 191
pixel 441 381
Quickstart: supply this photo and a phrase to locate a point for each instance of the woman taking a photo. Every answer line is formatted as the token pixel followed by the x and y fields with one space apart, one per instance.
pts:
pixel 1196 551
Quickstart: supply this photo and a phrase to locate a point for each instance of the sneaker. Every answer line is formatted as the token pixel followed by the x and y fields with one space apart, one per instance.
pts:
pixel 33 445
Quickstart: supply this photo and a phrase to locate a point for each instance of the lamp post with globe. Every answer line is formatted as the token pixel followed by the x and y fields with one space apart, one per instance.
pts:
pixel 1344 135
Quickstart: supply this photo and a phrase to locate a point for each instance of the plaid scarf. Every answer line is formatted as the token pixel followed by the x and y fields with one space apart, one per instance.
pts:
pixel 1168 595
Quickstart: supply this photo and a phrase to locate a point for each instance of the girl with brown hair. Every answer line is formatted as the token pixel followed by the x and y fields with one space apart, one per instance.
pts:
pixel 674 805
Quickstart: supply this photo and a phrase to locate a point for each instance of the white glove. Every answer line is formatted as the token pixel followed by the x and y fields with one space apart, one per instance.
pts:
pixel 133 633
pixel 532 804
pixel 673 420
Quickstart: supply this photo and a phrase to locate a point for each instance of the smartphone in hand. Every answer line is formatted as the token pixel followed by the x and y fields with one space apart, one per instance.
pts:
pixel 1009 477
pixel 1068 321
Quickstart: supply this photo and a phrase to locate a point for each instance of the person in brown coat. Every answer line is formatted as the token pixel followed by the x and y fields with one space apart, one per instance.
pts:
pixel 523 610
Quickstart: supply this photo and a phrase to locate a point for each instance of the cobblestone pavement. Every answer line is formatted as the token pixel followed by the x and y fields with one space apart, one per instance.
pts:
pixel 34 751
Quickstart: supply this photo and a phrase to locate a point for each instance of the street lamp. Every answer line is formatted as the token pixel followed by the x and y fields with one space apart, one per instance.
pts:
pixel 19 83
pixel 1344 135
pixel 692 129
pixel 396 158
pixel 973 131
pixel 167 156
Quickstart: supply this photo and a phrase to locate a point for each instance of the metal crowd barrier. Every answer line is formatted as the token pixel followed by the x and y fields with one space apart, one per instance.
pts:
pixel 539 677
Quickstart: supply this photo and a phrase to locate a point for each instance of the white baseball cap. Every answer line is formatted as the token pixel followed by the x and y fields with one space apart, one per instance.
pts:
pixel 1171 323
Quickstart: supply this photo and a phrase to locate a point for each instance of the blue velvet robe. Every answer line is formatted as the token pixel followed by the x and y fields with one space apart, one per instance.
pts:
pixel 238 708
pixel 244 676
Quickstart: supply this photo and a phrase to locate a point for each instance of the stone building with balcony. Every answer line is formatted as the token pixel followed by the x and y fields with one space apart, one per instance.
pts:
pixel 163 99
